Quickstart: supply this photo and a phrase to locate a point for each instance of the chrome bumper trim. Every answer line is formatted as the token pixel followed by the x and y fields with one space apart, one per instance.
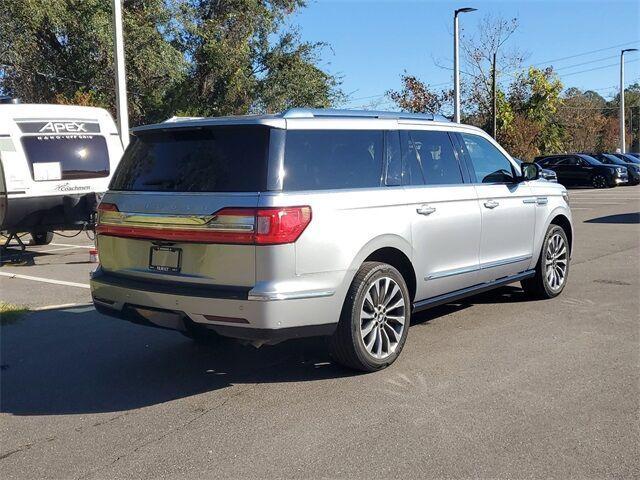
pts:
pixel 271 296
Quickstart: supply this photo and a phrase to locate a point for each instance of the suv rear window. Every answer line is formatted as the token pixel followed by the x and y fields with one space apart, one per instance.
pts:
pixel 211 159
pixel 332 159
pixel 66 157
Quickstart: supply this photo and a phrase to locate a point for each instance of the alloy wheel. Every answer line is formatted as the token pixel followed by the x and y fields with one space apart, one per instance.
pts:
pixel 556 257
pixel 382 318
pixel 599 181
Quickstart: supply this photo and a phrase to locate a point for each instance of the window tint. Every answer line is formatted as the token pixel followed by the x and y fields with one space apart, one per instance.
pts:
pixel 393 158
pixel 412 168
pixel 569 161
pixel 329 159
pixel 435 153
pixel 66 157
pixel 489 164
pixel 213 159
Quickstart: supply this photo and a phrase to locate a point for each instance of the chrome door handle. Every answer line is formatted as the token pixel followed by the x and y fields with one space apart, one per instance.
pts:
pixel 425 210
pixel 491 204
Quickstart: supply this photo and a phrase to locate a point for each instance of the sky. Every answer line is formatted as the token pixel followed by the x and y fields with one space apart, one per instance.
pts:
pixel 371 43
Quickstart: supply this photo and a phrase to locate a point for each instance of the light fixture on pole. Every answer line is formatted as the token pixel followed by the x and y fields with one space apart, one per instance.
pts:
pixel 456 66
pixel 623 145
pixel 121 82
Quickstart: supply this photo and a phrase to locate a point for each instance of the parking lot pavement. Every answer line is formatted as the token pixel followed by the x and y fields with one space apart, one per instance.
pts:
pixel 48 275
pixel 496 386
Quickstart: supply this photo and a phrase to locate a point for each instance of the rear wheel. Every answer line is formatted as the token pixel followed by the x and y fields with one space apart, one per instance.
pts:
pixel 552 269
pixel 42 238
pixel 375 319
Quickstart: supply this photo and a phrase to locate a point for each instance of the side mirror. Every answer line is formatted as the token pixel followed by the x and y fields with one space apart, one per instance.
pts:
pixel 530 171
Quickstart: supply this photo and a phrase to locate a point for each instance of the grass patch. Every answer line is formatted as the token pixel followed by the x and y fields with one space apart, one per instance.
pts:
pixel 10 313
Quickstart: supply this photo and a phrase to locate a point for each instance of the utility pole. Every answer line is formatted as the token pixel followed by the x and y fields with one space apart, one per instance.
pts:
pixel 456 63
pixel 494 89
pixel 121 82
pixel 623 144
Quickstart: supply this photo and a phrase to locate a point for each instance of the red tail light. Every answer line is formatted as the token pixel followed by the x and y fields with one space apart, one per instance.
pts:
pixel 281 225
pixel 248 226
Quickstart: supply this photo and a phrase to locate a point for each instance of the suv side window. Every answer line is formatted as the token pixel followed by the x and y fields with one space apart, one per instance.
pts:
pixel 489 164
pixel 435 154
pixel 332 159
pixel 412 174
pixel 393 157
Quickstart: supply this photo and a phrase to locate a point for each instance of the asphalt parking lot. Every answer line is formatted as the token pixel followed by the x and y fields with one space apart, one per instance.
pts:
pixel 496 386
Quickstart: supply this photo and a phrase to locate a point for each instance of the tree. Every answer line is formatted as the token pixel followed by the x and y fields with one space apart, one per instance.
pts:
pixel 536 96
pixel 62 50
pixel 418 97
pixel 200 57
pixel 243 61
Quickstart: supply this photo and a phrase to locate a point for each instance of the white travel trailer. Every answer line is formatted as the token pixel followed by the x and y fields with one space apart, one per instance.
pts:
pixel 55 162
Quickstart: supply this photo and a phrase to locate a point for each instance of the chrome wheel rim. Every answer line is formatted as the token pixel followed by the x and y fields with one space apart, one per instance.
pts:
pixel 556 258
pixel 382 318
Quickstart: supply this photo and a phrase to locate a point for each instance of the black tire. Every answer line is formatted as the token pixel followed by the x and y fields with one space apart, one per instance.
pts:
pixel 42 238
pixel 539 286
pixel 600 181
pixel 346 346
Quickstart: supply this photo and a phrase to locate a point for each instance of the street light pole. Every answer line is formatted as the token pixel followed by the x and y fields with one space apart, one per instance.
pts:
pixel 623 145
pixel 121 82
pixel 456 65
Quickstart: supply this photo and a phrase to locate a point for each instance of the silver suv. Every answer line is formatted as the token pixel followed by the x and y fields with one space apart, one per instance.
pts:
pixel 321 223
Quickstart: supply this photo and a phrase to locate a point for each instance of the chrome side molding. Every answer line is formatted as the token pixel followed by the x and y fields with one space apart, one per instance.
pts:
pixel 482 266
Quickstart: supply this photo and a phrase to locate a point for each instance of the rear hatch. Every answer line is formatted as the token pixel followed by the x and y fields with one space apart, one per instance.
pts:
pixel 181 205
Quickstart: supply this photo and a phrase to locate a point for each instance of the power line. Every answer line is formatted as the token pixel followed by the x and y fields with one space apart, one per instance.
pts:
pixel 585 53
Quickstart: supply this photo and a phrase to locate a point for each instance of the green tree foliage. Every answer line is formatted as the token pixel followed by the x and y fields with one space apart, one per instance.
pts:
pixel 204 57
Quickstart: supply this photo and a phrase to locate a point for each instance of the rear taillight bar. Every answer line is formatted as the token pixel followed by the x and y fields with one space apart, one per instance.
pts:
pixel 248 226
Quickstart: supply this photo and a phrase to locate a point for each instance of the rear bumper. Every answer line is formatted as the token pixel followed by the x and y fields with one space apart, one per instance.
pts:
pixel 230 311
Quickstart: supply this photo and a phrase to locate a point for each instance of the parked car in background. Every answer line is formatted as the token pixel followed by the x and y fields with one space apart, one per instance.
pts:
pixel 627 157
pixel 545 174
pixel 580 169
pixel 633 169
pixel 634 154
pixel 321 222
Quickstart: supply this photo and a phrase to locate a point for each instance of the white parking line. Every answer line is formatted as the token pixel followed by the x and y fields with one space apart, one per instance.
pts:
pixel 70 245
pixel 59 307
pixel 57 249
pixel 44 280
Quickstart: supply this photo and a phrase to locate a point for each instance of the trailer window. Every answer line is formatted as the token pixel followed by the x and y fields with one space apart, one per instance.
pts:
pixel 66 157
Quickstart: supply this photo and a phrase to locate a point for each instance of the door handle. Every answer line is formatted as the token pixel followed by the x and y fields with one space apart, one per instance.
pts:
pixel 491 204
pixel 425 210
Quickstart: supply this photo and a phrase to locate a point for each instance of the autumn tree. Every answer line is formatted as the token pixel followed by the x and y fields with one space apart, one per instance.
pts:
pixel 417 97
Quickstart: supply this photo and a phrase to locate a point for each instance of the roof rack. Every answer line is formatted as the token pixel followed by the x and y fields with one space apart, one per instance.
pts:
pixel 336 113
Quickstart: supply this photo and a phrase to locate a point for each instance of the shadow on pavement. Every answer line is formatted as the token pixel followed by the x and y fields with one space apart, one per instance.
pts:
pixel 76 361
pixel 621 218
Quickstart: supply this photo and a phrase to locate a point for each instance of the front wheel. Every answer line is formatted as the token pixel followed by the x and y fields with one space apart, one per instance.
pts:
pixel 375 319
pixel 552 269
pixel 599 181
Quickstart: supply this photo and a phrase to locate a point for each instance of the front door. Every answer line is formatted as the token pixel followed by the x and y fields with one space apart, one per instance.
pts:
pixel 507 208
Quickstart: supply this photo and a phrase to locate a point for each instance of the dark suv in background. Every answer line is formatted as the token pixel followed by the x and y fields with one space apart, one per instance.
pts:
pixel 580 169
pixel 633 168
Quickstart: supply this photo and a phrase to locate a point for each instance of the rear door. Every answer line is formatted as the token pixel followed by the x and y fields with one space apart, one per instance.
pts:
pixel 507 206
pixel 444 213
pixel 180 205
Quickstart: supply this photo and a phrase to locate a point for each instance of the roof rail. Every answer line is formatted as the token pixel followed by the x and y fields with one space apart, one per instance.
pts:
pixel 176 118
pixel 336 113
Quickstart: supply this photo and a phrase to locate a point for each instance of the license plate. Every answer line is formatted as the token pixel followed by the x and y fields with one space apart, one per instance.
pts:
pixel 165 259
